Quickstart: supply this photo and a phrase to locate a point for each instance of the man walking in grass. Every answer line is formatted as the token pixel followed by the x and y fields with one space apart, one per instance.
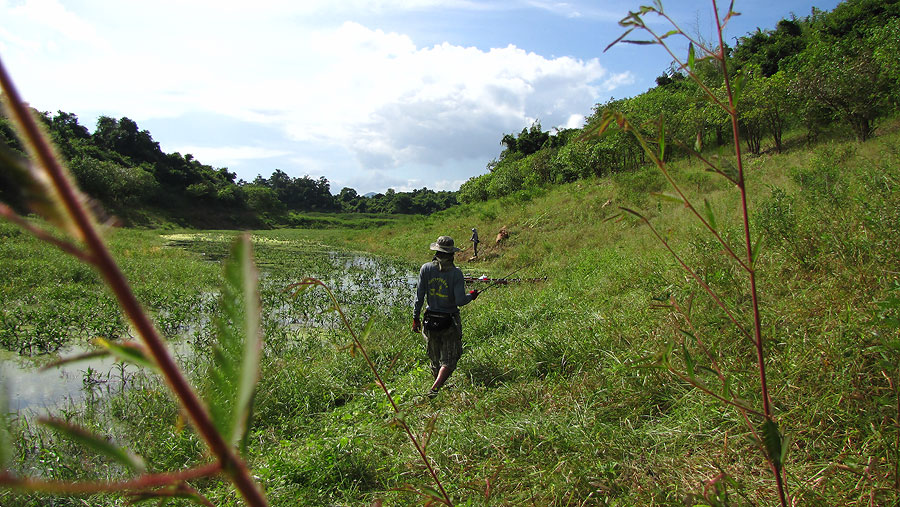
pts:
pixel 442 286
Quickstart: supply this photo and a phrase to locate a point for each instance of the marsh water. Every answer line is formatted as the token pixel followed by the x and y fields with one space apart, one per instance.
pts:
pixel 358 280
pixel 34 388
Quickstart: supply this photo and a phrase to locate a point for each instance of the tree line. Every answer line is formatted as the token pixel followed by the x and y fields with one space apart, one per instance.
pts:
pixel 829 70
pixel 836 69
pixel 121 167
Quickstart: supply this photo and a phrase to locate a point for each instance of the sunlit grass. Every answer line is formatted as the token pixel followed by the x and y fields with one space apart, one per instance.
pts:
pixel 547 405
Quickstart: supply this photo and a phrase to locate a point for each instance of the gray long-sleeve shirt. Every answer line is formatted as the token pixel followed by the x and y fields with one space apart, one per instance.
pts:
pixel 444 291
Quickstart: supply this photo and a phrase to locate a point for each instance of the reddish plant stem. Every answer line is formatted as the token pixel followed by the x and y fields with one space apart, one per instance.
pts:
pixel 757 325
pixel 419 448
pixel 70 248
pixel 143 482
pixel 103 261
pixel 693 274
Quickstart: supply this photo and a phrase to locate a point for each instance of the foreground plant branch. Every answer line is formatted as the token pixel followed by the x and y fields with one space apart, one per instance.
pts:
pixel 357 345
pixel 51 191
pixel 142 483
pixel 773 444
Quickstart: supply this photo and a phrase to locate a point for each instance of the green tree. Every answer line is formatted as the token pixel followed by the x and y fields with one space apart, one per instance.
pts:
pixel 263 200
pixel 844 77
pixel 474 189
pixel 348 199
pixel 116 186
pixel 765 107
pixel 885 43
pixel 529 141
pixel 768 49
pixel 851 18
pixel 124 136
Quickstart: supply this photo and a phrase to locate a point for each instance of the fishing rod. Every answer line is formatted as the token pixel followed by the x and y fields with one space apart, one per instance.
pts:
pixel 503 280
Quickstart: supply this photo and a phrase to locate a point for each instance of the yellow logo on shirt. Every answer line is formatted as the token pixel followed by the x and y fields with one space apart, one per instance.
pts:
pixel 438 287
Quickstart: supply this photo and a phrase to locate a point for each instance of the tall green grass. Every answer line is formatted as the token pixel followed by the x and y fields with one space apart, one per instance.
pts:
pixel 640 437
pixel 551 404
pixel 548 406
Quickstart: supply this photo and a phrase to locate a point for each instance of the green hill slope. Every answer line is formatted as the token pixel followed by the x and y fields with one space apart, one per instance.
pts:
pixel 551 400
pixel 562 396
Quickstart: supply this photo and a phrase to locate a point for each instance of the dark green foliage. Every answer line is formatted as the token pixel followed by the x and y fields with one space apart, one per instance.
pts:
pixel 123 168
pixel 111 183
pixel 852 17
pixel 769 49
pixel 830 69
pixel 299 194
pixel 529 141
pixel 123 136
pixel 419 201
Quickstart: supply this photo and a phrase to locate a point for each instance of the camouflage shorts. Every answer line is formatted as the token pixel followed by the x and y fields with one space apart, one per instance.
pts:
pixel 444 347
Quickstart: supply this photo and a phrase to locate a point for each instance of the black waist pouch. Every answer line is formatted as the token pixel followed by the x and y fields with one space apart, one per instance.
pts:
pixel 437 321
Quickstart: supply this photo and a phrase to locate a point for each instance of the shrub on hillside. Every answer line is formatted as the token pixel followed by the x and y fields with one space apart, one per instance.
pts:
pixel 113 184
pixel 474 189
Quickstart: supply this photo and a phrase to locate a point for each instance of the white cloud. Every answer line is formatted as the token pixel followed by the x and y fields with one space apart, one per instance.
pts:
pixel 52 15
pixel 575 121
pixel 335 87
pixel 228 155
pixel 394 103
pixel 561 8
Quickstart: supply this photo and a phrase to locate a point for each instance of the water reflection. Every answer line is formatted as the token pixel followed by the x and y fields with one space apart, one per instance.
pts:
pixel 362 283
pixel 32 389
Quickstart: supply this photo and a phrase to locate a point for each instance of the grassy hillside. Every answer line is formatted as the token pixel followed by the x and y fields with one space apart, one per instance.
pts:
pixel 550 381
pixel 555 401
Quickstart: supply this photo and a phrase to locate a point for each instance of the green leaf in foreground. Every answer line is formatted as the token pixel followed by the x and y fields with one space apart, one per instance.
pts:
pixel 688 362
pixel 128 352
pixel 772 440
pixel 692 57
pixel 665 196
pixel 235 368
pixel 96 442
pixel 710 216
pixel 738 87
pixel 74 359
pixel 757 248
pixel 662 138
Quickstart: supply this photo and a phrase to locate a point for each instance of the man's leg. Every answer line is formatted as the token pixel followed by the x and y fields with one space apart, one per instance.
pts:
pixel 450 351
pixel 442 376
pixel 433 349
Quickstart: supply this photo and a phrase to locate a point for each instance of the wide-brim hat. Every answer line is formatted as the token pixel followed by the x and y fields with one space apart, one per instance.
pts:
pixel 444 244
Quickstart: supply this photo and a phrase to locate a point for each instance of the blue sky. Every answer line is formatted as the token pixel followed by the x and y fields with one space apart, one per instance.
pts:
pixel 369 94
